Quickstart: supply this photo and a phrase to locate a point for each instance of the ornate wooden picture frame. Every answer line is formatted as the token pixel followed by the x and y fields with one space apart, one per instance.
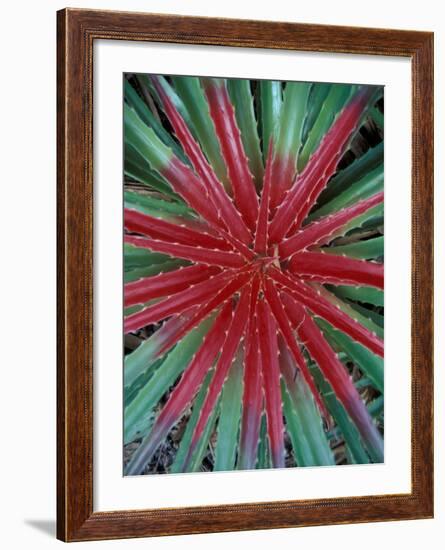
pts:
pixel 77 32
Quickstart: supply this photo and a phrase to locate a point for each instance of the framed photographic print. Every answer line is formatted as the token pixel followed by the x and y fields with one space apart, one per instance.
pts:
pixel 245 275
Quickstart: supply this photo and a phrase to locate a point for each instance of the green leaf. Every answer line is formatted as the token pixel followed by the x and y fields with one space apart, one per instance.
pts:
pixel 305 426
pixel 143 424
pixel 334 102
pixel 134 274
pixel 377 116
pixel 291 119
pixel 141 257
pixel 352 173
pixel 141 108
pixel 137 383
pixel 363 250
pixel 133 309
pixel 376 406
pixel 264 460
pixel 352 312
pixel 374 316
pixel 190 91
pixel 375 409
pixel 162 379
pixel 229 419
pixel 371 219
pixel 141 427
pixel 144 139
pixel 361 225
pixel 368 362
pixel 363 382
pixel 137 168
pixel 365 187
pixel 365 294
pixel 141 359
pixel 374 220
pixel 242 99
pixel 317 95
pixel 145 81
pixel 271 100
pixel 200 449
pixel 301 448
pixel 156 207
pixel 336 409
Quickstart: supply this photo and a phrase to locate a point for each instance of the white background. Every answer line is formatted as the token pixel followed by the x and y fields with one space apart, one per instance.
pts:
pixel 28 290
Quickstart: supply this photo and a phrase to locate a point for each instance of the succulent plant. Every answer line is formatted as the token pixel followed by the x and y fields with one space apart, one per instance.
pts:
pixel 253 274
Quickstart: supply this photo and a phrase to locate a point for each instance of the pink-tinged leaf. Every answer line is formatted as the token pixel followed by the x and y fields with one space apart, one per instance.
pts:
pixel 190 188
pixel 340 381
pixel 344 306
pixel 224 206
pixel 308 196
pixel 199 225
pixel 228 352
pixel 165 284
pixel 288 139
pixel 287 364
pixel 196 254
pixel 177 303
pixel 238 281
pixel 323 308
pixel 183 393
pixel 280 315
pixel 337 270
pixel 284 171
pixel 229 137
pixel 270 368
pixel 313 233
pixel 321 166
pixel 137 222
pixel 145 354
pixel 260 245
pixel 252 402
pixel 252 392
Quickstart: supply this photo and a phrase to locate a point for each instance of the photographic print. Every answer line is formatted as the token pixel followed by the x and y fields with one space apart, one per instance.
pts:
pixel 253 274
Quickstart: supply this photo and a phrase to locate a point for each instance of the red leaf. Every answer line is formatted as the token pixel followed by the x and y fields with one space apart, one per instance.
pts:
pixel 310 183
pixel 252 404
pixel 253 392
pixel 340 381
pixel 260 245
pixel 321 307
pixel 184 392
pixel 283 169
pixel 197 254
pixel 224 206
pixel 184 181
pixel 227 131
pixel 336 270
pixel 270 368
pixel 280 315
pixel 205 309
pixel 313 233
pixel 225 360
pixel 177 303
pixel 137 222
pixel 165 284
